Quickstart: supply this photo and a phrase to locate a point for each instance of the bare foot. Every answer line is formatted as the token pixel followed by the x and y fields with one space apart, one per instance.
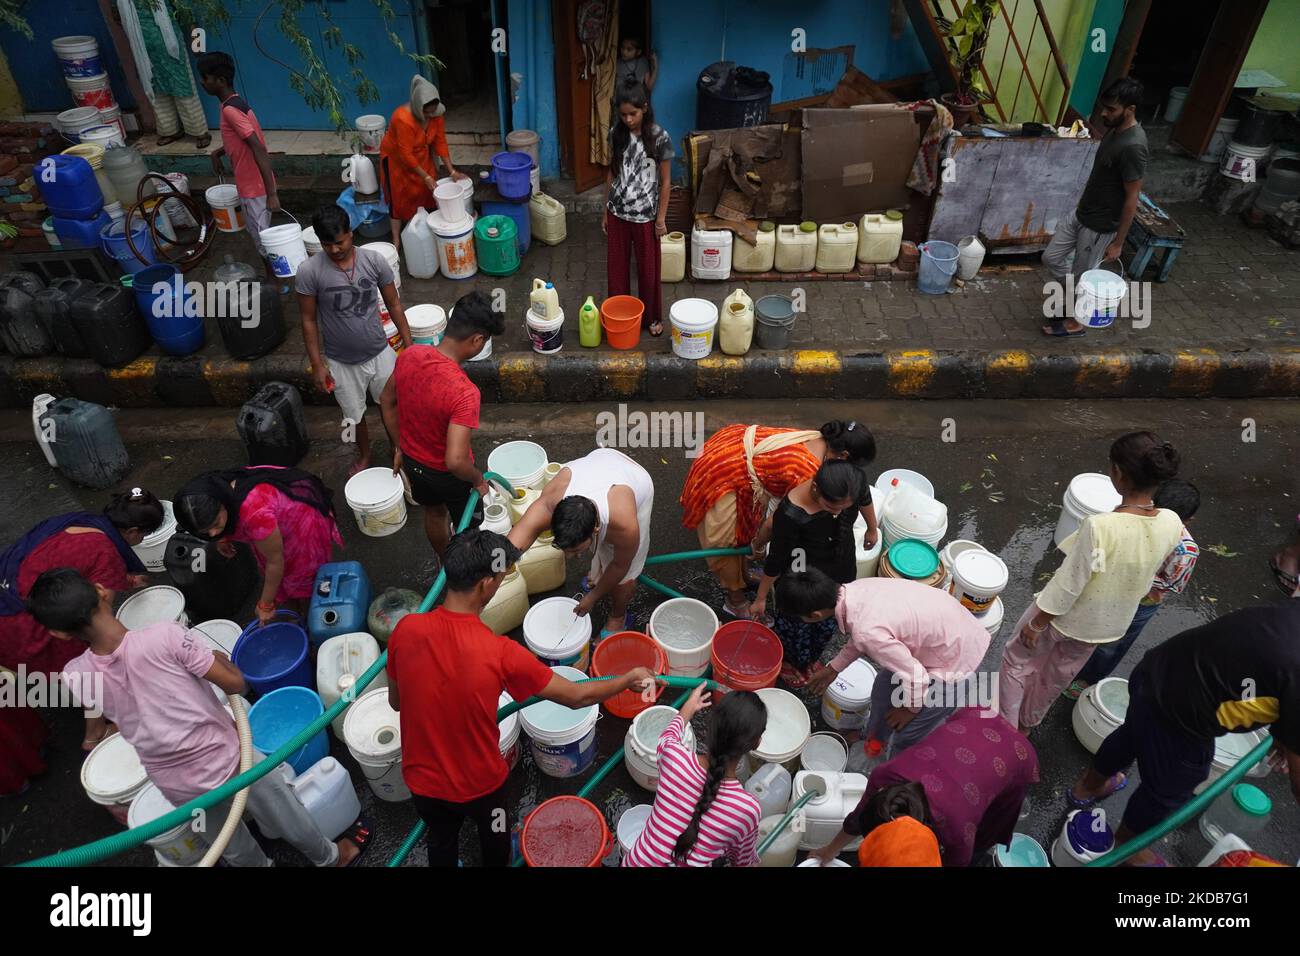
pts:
pixel 656 328
pixel 360 465
pixel 348 851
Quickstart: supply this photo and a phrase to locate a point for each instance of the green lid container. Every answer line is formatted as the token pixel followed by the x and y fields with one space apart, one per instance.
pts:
pixel 767 225
pixel 913 559
pixel 893 214
pixel 496 245
pixel 1251 800
pixel 807 226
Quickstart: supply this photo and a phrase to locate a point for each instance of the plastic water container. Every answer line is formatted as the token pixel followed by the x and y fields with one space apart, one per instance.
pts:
pixel 825 751
pixel 377 498
pixel 620 653
pixel 284 248
pixel 788 727
pixel 1023 850
pixel 770 785
pixel 684 628
pixel 911 514
pixel 496 245
pixel 221 635
pixel 1099 711
pixel 641 744
pixel 72 122
pixel 837 247
pixel 373 733
pixel 455 238
pixel 340 662
pixel 847 700
pixel 81 233
pixel 273 426
pixel 87 446
pixel 179 846
pixel 1086 836
pixel 1219 140
pixel 21 330
pixel 455 198
pixel 420 247
pixel 155 605
pixel 758 256
pixel 556 635
pixel 326 792
pixel 113 776
pixel 523 499
pixel 796 247
pixel 913 560
pixel 1228 750
pixel 1090 493
pixel 497 517
pixel 880 236
pixel 274 655
pixel 1243 810
pixel 221 588
pixel 746 655
pixel 838 793
pixel 94 155
pixel 77 55
pixel 711 253
pixel 112 239
pixel 371 126
pixel 694 322
pixel 905 476
pixel 1174 105
pixel 547 219
pixel 508 730
pixel 340 599
pixel 511 174
pixel 542 565
pixel 154 545
pixel 978 577
pixel 938 266
pixel 508 606
pixel 784 848
pixel 103 135
pixel 520 214
pixel 227 210
pixel 774 317
pixel 630 824
pixel 672 257
pixel 970 256
pixel 1100 294
pixel 171 309
pixel 563 741
pixel 991 620
pixel 256 326
pixel 69 187
pixel 389 608
pixel 565 832
pixel 546 335
pixel 867 559
pixel 543 300
pixel 736 325
pixel 1242 162
pixel 427 322
pixel 522 463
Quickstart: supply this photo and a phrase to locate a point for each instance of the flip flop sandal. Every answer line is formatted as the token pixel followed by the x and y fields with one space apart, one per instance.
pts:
pixel 1084 803
pixel 358 833
pixel 627 626
pixel 1059 331
pixel 1286 582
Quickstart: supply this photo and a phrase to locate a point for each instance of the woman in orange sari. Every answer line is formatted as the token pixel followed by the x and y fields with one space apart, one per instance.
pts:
pixel 742 470
pixel 416 138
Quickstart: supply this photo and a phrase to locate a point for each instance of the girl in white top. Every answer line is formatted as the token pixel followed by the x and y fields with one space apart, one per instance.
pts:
pixel 1110 563
pixel 600 503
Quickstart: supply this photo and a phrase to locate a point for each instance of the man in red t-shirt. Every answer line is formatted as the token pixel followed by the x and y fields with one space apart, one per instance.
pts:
pixel 430 409
pixel 446 672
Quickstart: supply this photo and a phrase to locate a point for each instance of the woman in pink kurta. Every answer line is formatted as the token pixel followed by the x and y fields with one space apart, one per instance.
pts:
pixel 287 516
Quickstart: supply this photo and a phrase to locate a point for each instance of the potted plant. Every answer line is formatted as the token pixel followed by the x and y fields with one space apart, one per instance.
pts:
pixel 967 38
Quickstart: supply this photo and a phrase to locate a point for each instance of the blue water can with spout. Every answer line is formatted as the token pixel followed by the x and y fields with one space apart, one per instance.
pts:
pixel 340 601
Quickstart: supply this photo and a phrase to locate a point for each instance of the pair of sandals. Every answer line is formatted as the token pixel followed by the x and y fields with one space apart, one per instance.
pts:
pixel 203 142
pixel 1115 784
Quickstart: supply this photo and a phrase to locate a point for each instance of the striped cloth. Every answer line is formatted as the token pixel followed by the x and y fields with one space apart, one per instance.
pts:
pixel 1176 572
pixel 720 469
pixel 729 828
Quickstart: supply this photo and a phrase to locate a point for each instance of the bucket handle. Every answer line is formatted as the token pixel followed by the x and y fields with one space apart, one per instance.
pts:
pixel 287 213
pixel 254 625
pixel 1119 262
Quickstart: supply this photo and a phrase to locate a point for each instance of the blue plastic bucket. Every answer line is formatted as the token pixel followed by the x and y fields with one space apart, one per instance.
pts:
pixel 512 173
pixel 112 239
pixel 938 266
pixel 274 656
pixel 518 211
pixel 164 301
pixel 279 716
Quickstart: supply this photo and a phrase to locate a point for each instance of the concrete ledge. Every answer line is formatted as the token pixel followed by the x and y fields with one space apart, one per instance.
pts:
pixel 579 376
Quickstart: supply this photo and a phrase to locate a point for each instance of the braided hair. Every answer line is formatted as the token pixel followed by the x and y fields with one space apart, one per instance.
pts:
pixel 737 725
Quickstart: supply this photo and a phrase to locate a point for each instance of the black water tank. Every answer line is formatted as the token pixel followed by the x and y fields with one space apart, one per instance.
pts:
pixel 214 586
pixel 263 331
pixel 273 427
pixel 23 333
pixel 54 307
pixel 729 96
pixel 110 324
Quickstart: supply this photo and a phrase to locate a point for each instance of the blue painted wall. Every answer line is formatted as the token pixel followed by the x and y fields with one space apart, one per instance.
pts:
pixel 34 65
pixel 531 58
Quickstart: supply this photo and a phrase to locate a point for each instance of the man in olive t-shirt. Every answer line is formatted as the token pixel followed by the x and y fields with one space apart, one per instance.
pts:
pixel 1095 231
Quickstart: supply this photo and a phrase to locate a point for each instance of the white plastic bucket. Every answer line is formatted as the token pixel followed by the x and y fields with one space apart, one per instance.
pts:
pixel 815 862
pixel 485 353
pixel 373 734
pixel 1098 300
pixel 455 239
pixel 866 559
pixel 522 463
pixel 466 187
pixel 428 323
pixel 630 824
pixel 563 740
pixel 313 245
pixel 92 91
pixel 154 545
pixel 848 698
pixel 390 253
pixel 556 635
pixel 641 744
pixel 1090 493
pixel 508 730
pixel 179 846
pixel 78 56
pixel 1229 749
pixel 788 726
pixel 378 501
pixel 371 126
pixel 226 208
pixel 72 122
pixel 153 606
pixel 684 629
pixel 978 577
pixel 112 116
pixel 112 776
pixel 285 248
pixel 1219 141
pixel 1174 105
pixel 948 554
pixel 221 634
pixel 694 322
pixel 1099 711
pixel 825 752
pixel 1243 162
pixel 905 476
pixel 102 135
pixel 547 335
pixel 992 618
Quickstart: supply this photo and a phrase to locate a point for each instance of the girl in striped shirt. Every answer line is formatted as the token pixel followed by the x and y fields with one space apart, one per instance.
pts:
pixel 701 812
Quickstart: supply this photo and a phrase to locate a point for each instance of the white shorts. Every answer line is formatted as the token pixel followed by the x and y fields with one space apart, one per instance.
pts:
pixel 351 382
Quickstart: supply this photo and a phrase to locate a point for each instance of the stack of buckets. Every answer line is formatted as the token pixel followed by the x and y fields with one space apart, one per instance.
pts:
pixel 88 82
pixel 545 318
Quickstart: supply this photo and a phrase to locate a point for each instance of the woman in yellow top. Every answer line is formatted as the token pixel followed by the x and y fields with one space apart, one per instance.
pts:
pixel 1109 565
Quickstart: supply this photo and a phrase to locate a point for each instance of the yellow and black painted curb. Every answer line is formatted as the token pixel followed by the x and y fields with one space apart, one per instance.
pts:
pixel 513 377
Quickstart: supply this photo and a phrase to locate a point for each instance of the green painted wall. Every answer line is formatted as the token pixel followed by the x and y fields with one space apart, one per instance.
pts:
pixel 1071 21
pixel 1092 62
pixel 1276 41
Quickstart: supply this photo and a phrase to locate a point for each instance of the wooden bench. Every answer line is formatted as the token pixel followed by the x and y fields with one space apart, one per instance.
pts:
pixel 1153 229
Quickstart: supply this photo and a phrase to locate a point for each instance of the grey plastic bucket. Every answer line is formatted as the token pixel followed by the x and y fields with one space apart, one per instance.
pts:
pixel 774 317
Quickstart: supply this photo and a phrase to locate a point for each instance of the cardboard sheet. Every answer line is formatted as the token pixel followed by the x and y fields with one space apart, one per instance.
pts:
pixel 856 160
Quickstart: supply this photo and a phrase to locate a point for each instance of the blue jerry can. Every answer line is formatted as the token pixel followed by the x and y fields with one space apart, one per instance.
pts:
pixel 340 599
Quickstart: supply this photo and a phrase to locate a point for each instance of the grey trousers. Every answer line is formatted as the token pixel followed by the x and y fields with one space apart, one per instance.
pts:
pixel 917 728
pixel 279 813
pixel 1074 240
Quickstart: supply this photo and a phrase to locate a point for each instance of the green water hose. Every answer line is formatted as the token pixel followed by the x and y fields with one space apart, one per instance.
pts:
pixel 785 821
pixel 1191 809
pixel 690 555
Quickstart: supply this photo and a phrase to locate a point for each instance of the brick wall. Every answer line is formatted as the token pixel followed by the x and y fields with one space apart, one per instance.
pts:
pixel 22 146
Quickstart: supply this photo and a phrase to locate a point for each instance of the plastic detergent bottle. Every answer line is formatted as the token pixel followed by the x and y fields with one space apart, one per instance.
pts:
pixel 737 323
pixel 589 323
pixel 544 300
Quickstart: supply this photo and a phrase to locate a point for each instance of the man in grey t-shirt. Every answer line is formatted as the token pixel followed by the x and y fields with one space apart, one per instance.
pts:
pixel 1096 230
pixel 338 297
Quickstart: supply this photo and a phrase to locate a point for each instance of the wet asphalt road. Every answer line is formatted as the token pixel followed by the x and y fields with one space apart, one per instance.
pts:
pixel 1002 479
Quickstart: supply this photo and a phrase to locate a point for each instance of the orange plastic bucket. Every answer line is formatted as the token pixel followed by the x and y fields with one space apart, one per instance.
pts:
pixel 621 317
pixel 618 654
pixel 746 655
pixel 565 831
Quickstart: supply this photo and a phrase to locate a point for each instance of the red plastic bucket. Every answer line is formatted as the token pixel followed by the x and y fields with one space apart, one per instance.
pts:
pixel 565 831
pixel 618 654
pixel 746 655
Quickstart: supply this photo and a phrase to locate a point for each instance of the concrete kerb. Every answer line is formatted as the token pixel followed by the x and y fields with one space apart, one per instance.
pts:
pixel 569 377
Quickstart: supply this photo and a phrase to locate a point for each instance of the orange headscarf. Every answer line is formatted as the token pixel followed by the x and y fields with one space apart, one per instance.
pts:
pixel 904 841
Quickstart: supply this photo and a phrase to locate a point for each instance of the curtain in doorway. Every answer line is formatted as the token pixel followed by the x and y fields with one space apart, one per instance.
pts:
pixel 603 75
